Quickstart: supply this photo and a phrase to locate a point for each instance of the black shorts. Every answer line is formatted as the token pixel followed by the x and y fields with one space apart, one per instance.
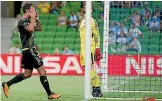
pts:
pixel 31 59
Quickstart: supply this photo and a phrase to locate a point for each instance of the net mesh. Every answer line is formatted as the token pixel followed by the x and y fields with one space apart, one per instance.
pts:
pixel 134 69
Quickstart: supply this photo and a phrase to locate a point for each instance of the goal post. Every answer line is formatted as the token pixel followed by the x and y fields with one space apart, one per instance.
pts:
pixel 104 60
pixel 128 75
pixel 87 86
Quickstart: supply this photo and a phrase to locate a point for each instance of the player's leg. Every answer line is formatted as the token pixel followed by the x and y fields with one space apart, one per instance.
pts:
pixel 27 65
pixel 96 83
pixel 38 64
pixel 95 80
pixel 18 78
pixel 98 86
pixel 45 83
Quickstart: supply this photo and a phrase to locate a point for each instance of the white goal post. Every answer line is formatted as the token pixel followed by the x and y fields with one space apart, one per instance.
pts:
pixel 118 87
pixel 87 86
pixel 104 60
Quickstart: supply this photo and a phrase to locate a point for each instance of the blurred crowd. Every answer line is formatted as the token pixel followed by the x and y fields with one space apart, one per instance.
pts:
pixel 15 49
pixel 119 33
pixel 128 36
pixel 54 7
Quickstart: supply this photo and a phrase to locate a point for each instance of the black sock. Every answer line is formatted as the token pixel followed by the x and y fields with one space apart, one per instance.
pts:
pixel 98 89
pixel 45 84
pixel 94 89
pixel 16 79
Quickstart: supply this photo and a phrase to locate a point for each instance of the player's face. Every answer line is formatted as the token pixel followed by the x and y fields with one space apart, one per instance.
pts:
pixel 31 9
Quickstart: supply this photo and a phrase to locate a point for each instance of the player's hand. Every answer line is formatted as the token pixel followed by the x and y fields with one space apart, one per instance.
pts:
pixel 98 56
pixel 37 17
pixel 36 12
pixel 32 12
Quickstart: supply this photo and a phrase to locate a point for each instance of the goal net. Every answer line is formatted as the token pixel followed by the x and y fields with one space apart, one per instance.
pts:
pixel 131 68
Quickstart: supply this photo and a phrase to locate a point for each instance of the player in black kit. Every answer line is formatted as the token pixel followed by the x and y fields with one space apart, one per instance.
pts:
pixel 27 25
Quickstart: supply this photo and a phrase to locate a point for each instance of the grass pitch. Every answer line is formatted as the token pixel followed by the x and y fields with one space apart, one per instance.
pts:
pixel 72 88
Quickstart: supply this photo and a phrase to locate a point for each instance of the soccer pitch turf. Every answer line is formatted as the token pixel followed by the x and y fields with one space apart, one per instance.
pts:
pixel 72 88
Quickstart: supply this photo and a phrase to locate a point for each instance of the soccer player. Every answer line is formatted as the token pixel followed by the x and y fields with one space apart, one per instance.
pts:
pixel 27 25
pixel 95 54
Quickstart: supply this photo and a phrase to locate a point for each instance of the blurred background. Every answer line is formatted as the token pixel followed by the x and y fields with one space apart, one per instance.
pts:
pixel 60 20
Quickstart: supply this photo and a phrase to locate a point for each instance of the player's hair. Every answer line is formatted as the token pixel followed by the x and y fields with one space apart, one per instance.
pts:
pixel 26 6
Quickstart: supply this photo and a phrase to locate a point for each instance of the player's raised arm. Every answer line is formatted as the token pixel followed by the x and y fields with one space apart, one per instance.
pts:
pixel 29 26
pixel 38 26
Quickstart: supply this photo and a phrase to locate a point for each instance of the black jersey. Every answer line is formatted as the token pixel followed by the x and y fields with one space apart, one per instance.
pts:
pixel 27 38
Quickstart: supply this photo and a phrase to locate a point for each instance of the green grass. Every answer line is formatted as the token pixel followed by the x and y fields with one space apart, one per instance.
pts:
pixel 72 88
pixel 31 89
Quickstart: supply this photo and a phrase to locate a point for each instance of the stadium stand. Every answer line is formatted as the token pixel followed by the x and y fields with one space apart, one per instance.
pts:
pixel 54 36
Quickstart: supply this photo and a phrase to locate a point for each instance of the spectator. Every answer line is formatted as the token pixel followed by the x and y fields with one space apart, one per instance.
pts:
pixel 157 9
pixel 122 39
pixel 54 7
pixel 146 14
pixel 135 18
pixel 57 51
pixel 127 4
pixel 73 21
pixel 15 49
pixel 112 38
pixel 63 3
pixel 161 16
pixel 154 25
pixel 44 7
pixel 157 15
pixel 134 32
pixel 122 30
pixel 135 45
pixel 62 19
pixel 137 4
pixel 80 14
pixel 161 26
pixel 116 4
pixel 102 15
pixel 67 51
pixel 114 27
